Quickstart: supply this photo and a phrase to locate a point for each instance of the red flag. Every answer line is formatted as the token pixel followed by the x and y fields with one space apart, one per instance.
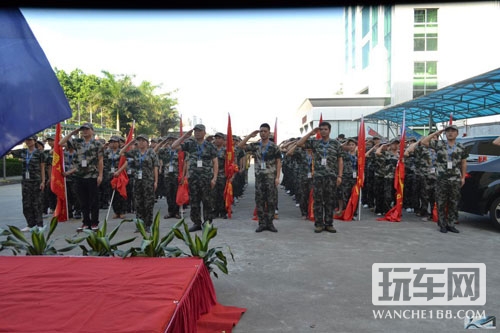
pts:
pixel 394 214
pixel 310 206
pixel 120 183
pixel 182 183
pixel 352 204
pixel 318 135
pixel 57 180
pixel 372 132
pixel 229 168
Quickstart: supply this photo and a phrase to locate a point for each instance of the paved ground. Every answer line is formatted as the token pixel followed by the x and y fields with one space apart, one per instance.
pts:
pixel 299 281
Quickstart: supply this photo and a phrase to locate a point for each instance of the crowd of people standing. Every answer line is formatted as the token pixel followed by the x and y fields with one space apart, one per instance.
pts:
pixel 317 170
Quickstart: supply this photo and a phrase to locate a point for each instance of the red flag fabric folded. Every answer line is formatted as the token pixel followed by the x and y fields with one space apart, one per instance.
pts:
pixel 57 180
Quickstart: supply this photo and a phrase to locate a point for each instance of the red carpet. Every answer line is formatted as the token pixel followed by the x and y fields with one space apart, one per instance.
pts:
pixel 100 294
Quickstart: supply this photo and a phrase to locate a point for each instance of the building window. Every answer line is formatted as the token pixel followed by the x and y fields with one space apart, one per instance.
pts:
pixel 425 36
pixel 424 78
pixel 365 20
pixel 374 26
pixel 353 38
pixel 366 55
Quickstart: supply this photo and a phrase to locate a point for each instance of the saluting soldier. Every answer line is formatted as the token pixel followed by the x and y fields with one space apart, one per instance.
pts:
pixel 202 169
pixel 89 173
pixel 146 178
pixel 327 177
pixel 33 182
pixel 451 167
pixel 218 190
pixel 169 160
pixel 267 157
pixel 112 169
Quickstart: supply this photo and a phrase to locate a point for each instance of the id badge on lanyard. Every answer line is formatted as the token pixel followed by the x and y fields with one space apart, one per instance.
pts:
pixel 139 174
pixel 323 161
pixel 263 165
pixel 84 163
pixel 27 175
pixel 199 163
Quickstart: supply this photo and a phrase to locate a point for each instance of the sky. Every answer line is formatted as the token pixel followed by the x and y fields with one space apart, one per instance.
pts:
pixel 255 65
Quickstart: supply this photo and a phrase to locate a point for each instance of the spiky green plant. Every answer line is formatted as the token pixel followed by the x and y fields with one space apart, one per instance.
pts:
pixel 99 241
pixel 199 247
pixel 40 244
pixel 153 245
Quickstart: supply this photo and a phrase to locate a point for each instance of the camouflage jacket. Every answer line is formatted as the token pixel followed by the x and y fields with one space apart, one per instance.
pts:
pixel 89 152
pixel 111 162
pixel 143 163
pixel 32 163
pixel 170 161
pixel 267 155
pixel 449 159
pixel 204 152
pixel 330 150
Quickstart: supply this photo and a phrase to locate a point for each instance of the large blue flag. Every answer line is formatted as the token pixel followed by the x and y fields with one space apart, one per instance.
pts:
pixel 31 98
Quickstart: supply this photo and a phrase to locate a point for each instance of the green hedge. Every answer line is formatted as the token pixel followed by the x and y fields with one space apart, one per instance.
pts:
pixel 13 167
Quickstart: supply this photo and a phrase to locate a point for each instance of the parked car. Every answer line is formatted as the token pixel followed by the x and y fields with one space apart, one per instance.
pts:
pixel 480 146
pixel 481 191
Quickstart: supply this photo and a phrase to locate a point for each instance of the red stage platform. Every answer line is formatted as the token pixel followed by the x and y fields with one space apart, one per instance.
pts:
pixel 102 294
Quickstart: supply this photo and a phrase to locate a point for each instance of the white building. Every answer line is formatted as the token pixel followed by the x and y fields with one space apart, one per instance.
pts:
pixel 405 51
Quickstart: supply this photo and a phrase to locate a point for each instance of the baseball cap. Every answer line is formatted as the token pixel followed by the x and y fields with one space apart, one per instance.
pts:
pixel 31 137
pixel 394 140
pixel 142 136
pixel 50 137
pixel 219 134
pixel 171 136
pixel 352 139
pixel 87 125
pixel 376 137
pixel 114 138
pixel 455 127
pixel 200 127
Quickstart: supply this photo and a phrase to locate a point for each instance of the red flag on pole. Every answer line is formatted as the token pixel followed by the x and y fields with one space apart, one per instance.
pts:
pixel 57 180
pixel 318 135
pixel 229 168
pixel 372 132
pixel 352 204
pixel 394 214
pixel 120 183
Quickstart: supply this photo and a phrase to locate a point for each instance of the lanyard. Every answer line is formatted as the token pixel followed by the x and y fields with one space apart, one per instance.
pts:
pixel 86 146
pixel 450 150
pixel 28 157
pixel 141 159
pixel 325 146
pixel 309 161
pixel 354 161
pixel 113 158
pixel 200 149
pixel 171 152
pixel 264 153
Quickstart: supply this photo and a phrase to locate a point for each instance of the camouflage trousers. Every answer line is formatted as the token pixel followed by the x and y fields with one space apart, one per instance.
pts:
pixel 171 184
pixel 144 197
pixel 427 194
pixel 324 196
pixel 88 193
pixel 218 202
pixel 410 195
pixel 32 203
pixel 378 191
pixel 200 193
pixel 266 199
pixel 303 194
pixel 447 199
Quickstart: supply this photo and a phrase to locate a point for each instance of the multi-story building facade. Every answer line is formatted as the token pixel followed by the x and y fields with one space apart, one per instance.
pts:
pixel 408 50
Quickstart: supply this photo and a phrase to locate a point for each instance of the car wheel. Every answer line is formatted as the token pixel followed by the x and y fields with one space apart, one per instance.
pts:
pixel 495 212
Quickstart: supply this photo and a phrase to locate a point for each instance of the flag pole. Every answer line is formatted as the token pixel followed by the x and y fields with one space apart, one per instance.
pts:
pixel 110 205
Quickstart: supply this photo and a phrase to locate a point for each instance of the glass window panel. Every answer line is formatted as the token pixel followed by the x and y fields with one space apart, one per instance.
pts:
pixel 419 68
pixel 366 54
pixel 419 15
pixel 419 44
pixel 432 15
pixel 431 67
pixel 432 44
pixel 365 19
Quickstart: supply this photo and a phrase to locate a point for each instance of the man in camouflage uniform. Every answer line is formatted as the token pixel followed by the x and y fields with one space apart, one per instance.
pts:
pixel 327 177
pixel 388 155
pixel 218 203
pixel 111 170
pixel 451 167
pixel 267 165
pixel 33 182
pixel 89 173
pixel 70 168
pixel 410 197
pixel 50 199
pixel 202 168
pixel 169 159
pixel 350 174
pixel 239 177
pixel 304 174
pixel 145 162
pixel 425 172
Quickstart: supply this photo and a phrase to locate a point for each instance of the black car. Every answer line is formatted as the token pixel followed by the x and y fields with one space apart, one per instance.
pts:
pixel 481 191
